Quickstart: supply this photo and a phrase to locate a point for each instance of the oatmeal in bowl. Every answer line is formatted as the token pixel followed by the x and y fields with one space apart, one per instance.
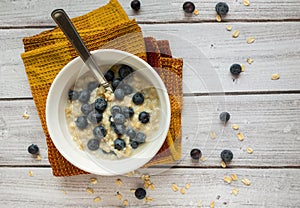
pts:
pixel 105 132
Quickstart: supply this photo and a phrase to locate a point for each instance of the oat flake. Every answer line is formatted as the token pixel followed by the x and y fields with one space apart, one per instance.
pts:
pixel 246 181
pixel 275 76
pixel 174 187
pixel 182 190
pixel 235 191
pixel 235 34
pixel 97 199
pixel 30 173
pixel 89 190
pixel 148 199
pixel 132 190
pixel 119 182
pixel 243 67
pixel 218 18
pixel 212 135
pixel 25 115
pixel 93 180
pixel 212 204
pixel 202 158
pixel 151 187
pixel 223 164
pixel 240 136
pixel 250 40
pixel 234 177
pixel 38 157
pixel 228 179
pixel 235 127
pixel 249 150
pixel 125 203
pixel 196 12
pixel 188 185
pixel 246 2
pixel 119 196
pixel 228 27
pixel 249 60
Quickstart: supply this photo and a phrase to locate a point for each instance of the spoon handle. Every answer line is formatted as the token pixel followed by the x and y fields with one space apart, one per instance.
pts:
pixel 67 27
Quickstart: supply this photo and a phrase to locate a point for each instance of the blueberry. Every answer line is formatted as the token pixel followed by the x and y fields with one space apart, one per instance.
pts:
pixel 140 193
pixel 86 108
pixel 95 117
pixel 140 137
pixel 115 83
pixel 119 94
pixel 226 156
pixel 93 144
pixel 131 133
pixel 224 116
pixel 73 95
pixel 99 132
pixel 109 75
pixel 222 8
pixel 127 89
pixel 235 69
pixel 100 104
pixel 135 5
pixel 128 112
pixel 84 96
pixel 115 109
pixel 119 118
pixel 144 117
pixel 33 149
pixel 124 71
pixel 196 154
pixel 119 144
pixel 81 122
pixel 138 98
pixel 188 7
pixel 92 86
pixel 134 144
pixel 118 128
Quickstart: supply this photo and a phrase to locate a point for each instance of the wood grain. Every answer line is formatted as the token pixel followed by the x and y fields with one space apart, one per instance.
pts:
pixel 37 13
pixel 270 124
pixel 208 51
pixel 266 190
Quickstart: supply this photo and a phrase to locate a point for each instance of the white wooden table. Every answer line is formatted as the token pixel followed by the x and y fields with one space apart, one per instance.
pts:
pixel 267 111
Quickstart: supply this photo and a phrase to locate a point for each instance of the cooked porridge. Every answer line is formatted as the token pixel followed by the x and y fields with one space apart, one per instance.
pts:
pixel 113 125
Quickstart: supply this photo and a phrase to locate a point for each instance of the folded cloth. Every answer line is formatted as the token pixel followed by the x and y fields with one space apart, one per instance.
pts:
pixel 106 27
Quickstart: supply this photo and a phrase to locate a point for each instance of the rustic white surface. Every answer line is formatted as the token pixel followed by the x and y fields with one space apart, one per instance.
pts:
pixel 269 188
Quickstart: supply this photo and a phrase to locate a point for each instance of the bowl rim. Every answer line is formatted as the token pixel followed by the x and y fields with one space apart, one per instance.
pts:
pixel 52 132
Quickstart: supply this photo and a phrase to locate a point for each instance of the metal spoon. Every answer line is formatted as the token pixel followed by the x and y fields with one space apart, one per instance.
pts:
pixel 65 24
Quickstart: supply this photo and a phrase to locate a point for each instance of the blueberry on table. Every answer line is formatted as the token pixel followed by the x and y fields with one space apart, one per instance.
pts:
pixel 95 117
pixel 119 118
pixel 115 83
pixel 73 95
pixel 93 85
pixel 100 104
pixel 124 71
pixel 128 112
pixel 119 144
pixel 127 89
pixel 140 193
pixel 134 144
pixel 86 108
pixel 235 69
pixel 224 116
pixel 99 132
pixel 119 129
pixel 33 149
pixel 188 7
pixel 196 154
pixel 138 98
pixel 84 96
pixel 135 5
pixel 131 133
pixel 144 117
pixel 222 8
pixel 115 109
pixel 93 144
pixel 81 122
pixel 109 75
pixel 140 137
pixel 119 94
pixel 226 156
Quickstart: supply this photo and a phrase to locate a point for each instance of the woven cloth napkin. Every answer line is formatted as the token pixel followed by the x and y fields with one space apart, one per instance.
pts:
pixel 106 27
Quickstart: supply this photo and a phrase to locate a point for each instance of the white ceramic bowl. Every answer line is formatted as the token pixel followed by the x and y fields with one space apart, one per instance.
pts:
pixel 57 125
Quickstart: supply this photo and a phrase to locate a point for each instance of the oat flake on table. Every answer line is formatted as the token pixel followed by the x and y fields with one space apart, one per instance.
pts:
pixel 235 34
pixel 250 40
pixel 228 27
pixel 218 18
pixel 246 2
pixel 275 76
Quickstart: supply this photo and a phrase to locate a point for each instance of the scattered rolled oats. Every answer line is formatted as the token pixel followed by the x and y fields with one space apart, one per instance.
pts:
pixel 243 67
pixel 148 199
pixel 145 177
pixel 234 177
pixel 132 190
pixel 246 2
pixel 30 173
pixel 275 76
pixel 240 136
pixel 118 182
pixel 125 203
pixel 25 115
pixel 223 164
pixel 249 60
pixel 228 179
pixel 202 158
pixel 182 190
pixel 38 157
pixel 97 199
pixel 218 18
pixel 119 196
pixel 93 180
pixel 188 185
pixel 174 187
pixel 90 190
pixel 196 12
pixel 228 27
pixel 246 181
pixel 212 204
pixel 249 150
pixel 235 127
pixel 235 191
pixel 235 34
pixel 212 135
pixel 151 187
pixel 250 40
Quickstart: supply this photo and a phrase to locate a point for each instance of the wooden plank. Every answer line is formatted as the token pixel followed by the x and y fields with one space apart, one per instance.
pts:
pixel 270 124
pixel 269 188
pixel 208 51
pixel 37 13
